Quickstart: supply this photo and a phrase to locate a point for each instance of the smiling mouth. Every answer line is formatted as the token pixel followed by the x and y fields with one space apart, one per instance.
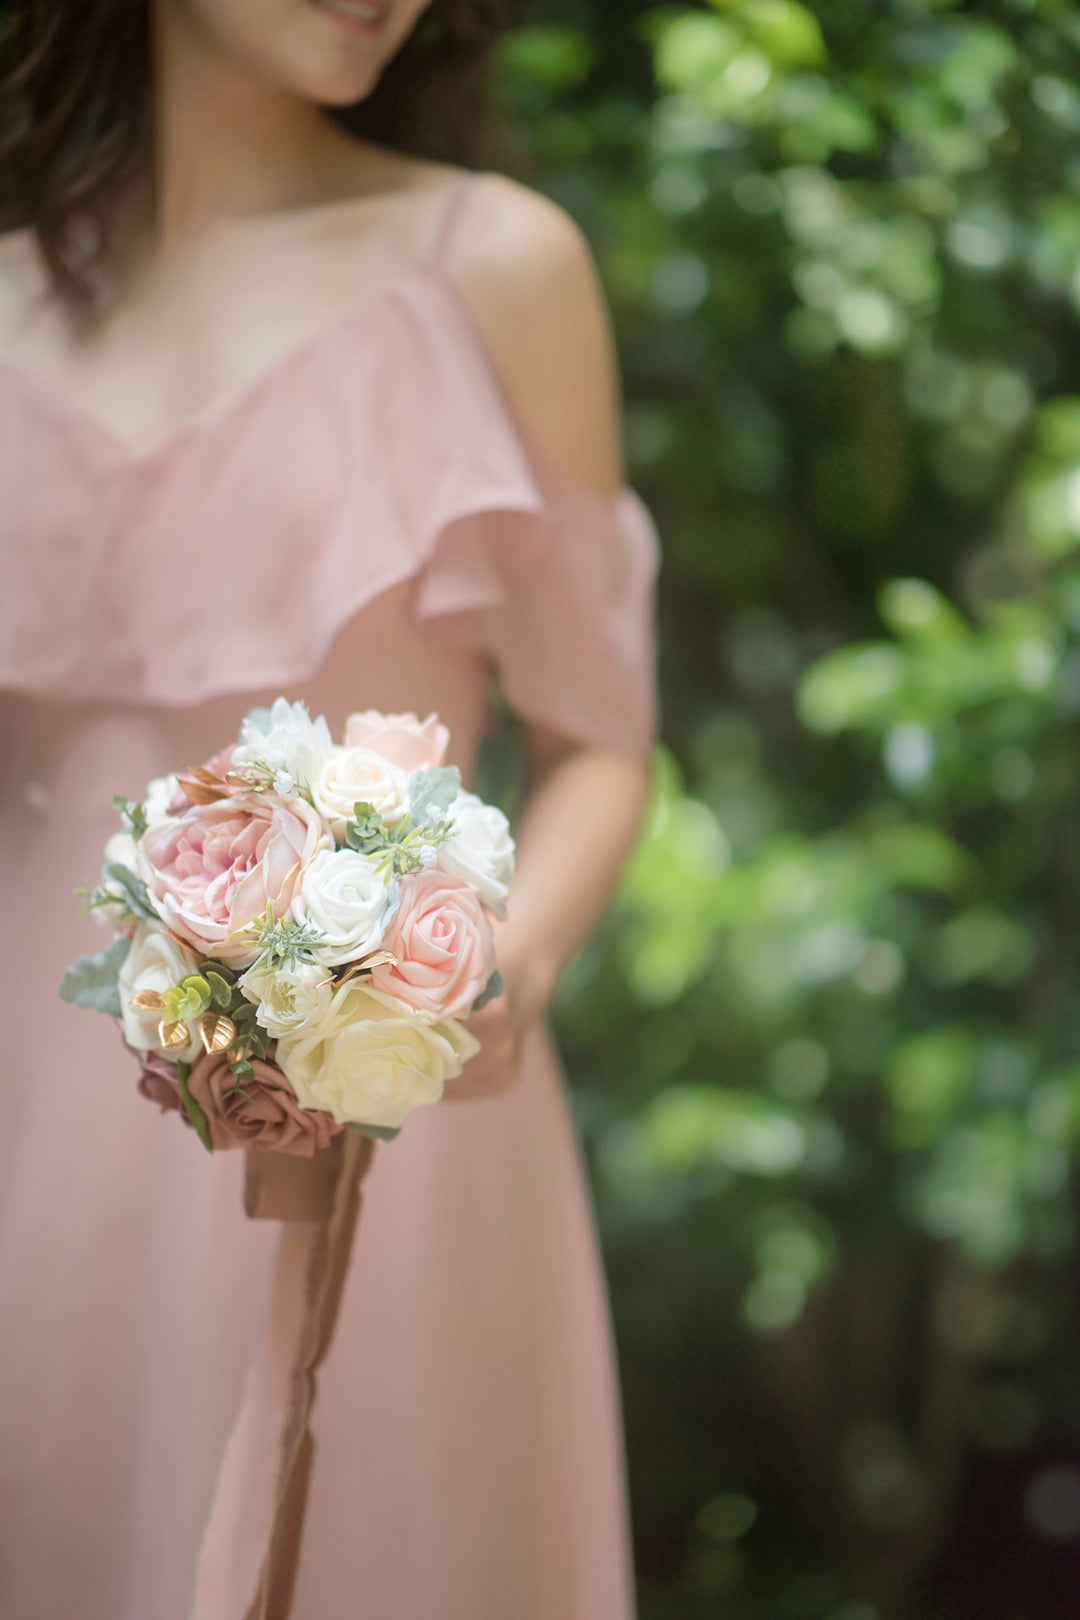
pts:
pixel 361 16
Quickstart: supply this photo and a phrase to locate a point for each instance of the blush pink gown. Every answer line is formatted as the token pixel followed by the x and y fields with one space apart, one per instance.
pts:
pixel 366 524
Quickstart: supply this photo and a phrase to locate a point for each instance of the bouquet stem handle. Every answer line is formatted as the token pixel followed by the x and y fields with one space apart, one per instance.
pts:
pixel 248 1560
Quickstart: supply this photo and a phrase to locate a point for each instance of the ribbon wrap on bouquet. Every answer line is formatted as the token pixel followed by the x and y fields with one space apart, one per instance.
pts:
pixel 250 1550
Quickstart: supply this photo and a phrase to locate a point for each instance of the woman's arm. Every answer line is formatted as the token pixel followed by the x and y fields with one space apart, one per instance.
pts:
pixel 527 276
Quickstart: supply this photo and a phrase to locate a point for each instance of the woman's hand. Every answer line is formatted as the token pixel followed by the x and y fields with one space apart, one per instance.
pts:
pixel 500 1028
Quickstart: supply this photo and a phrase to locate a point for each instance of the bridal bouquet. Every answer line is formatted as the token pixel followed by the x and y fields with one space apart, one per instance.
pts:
pixel 301 926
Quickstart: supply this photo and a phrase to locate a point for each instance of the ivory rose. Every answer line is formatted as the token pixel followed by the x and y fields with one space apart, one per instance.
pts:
pixel 359 774
pixel 347 900
pixel 372 1059
pixel 480 851
pixel 288 999
pixel 213 869
pixel 155 962
pixel 443 944
pixel 401 738
pixel 260 1110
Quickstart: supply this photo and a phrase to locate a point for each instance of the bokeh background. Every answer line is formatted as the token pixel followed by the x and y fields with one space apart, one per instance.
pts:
pixel 826 1050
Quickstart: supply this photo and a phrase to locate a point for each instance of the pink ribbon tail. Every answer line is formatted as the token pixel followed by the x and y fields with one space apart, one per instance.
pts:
pixel 247 1564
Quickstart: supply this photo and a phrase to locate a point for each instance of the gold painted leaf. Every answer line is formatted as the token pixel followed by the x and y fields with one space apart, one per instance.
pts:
pixel 148 1000
pixel 216 1031
pixel 171 1035
pixel 365 965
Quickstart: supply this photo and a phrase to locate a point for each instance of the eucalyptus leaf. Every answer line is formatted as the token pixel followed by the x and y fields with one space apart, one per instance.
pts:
pixel 493 988
pixel 91 981
pixel 381 1133
pixel 221 991
pixel 432 790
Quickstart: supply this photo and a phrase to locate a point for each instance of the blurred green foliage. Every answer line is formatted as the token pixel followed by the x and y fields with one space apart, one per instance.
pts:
pixel 826 1049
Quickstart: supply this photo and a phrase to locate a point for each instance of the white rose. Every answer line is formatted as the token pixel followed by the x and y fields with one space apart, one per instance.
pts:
pixel 480 851
pixel 372 1059
pixel 155 962
pixel 160 793
pixel 288 999
pixel 342 895
pixel 120 850
pixel 286 739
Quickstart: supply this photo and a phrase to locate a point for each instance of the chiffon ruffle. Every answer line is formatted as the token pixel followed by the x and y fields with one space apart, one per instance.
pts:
pixel 402 460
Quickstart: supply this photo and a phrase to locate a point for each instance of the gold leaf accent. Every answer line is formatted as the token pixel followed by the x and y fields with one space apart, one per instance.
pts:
pixel 202 786
pixel 366 963
pixel 148 1000
pixel 216 1031
pixel 171 1035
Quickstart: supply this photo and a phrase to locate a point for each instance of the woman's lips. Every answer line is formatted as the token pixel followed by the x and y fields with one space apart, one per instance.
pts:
pixel 359 16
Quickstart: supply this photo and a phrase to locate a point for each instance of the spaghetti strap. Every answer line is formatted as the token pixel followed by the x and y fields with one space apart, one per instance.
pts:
pixel 457 189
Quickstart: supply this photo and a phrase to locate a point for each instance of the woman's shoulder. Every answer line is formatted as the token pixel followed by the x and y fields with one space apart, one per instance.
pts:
pixel 527 275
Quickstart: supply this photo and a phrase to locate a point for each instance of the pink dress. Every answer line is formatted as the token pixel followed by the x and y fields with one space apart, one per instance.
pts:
pixel 366 524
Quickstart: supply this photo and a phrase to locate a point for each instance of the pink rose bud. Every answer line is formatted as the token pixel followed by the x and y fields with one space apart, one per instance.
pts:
pixel 401 738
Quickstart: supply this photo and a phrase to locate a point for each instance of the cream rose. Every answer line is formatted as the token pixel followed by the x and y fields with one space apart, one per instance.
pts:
pixel 353 775
pixel 347 900
pixel 155 962
pixel 288 999
pixel 373 1060
pixel 480 851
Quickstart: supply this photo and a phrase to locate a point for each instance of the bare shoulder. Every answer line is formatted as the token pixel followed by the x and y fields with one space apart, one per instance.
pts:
pixel 527 275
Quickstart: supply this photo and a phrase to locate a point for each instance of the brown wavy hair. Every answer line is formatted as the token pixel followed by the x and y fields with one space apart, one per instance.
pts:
pixel 76 125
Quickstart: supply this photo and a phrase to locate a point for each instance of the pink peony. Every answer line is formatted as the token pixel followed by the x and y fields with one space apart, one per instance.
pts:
pixel 443 943
pixel 260 1110
pixel 213 869
pixel 401 738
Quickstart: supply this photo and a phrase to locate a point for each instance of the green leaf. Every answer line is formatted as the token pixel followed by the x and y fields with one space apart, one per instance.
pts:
pixel 432 791
pixel 133 815
pixel 91 981
pixel 134 890
pixel 221 991
pixel 493 988
pixel 381 1133
pixel 192 1109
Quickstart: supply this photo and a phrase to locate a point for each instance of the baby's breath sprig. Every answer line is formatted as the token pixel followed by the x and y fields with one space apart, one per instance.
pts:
pixel 281 942
pixel 261 777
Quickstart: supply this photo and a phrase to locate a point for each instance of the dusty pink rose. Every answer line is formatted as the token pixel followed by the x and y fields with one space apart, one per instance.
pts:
pixel 401 738
pixel 263 1113
pixel 214 868
pixel 443 943
pixel 158 1081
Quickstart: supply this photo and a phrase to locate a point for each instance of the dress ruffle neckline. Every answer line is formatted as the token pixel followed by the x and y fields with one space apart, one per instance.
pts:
pixel 381 451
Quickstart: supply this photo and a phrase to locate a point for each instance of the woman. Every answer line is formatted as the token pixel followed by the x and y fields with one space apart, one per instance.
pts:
pixel 286 409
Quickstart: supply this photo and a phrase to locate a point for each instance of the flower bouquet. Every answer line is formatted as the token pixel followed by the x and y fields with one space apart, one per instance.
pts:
pixel 300 927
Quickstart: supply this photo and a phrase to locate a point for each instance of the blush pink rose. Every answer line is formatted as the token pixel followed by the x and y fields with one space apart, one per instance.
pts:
pixel 443 943
pixel 217 866
pixel 401 738
pixel 260 1110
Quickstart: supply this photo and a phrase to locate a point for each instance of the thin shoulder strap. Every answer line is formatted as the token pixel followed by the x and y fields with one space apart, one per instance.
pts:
pixel 457 189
